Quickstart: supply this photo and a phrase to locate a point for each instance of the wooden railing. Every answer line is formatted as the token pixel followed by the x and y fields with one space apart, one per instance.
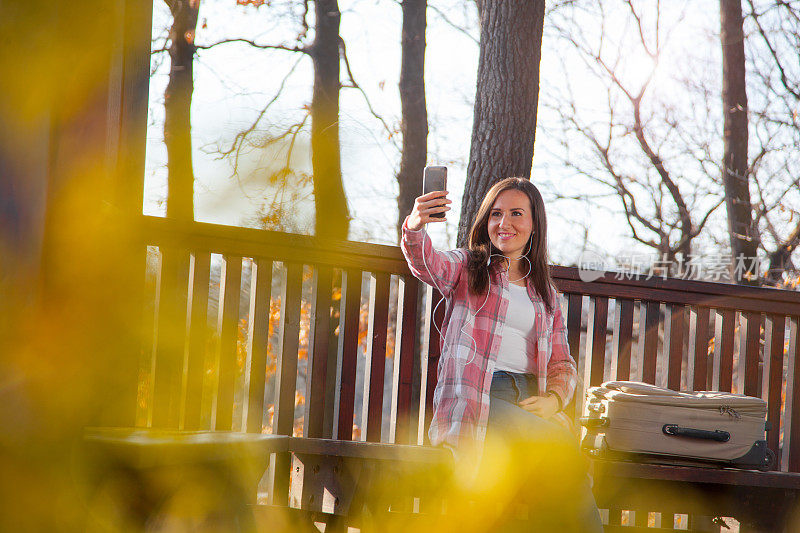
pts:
pixel 677 333
pixel 694 335
pixel 318 287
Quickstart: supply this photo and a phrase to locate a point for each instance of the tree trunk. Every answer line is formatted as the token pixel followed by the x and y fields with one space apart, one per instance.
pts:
pixel 734 165
pixel 178 108
pixel 506 101
pixel 414 108
pixel 332 218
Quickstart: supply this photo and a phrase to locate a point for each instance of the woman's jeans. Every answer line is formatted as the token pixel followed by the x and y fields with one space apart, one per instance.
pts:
pixel 546 465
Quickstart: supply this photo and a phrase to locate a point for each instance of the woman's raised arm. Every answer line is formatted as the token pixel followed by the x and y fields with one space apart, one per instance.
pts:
pixel 425 207
pixel 439 269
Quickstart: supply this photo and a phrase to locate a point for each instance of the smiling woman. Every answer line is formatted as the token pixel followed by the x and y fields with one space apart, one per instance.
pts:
pixel 505 366
pixel 511 224
pixel 510 230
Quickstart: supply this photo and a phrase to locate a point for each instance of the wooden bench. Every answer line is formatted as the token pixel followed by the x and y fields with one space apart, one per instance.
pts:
pixel 677 333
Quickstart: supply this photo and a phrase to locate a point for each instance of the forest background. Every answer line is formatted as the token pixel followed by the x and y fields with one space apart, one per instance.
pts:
pixel 631 124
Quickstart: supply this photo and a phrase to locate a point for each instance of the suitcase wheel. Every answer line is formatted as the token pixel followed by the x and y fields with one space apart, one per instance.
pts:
pixel 769 461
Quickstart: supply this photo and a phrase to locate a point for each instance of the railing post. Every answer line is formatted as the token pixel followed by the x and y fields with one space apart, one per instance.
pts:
pixel 429 361
pixel 596 339
pixel 375 357
pixel 697 374
pixel 722 378
pixel 791 435
pixel 170 341
pixel 648 340
pixel 348 350
pixel 230 288
pixel 257 343
pixel 673 344
pixel 403 375
pixel 773 380
pixel 286 378
pixel 623 340
pixel 318 337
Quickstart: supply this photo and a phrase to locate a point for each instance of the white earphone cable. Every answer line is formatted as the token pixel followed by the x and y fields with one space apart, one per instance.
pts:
pixel 435 283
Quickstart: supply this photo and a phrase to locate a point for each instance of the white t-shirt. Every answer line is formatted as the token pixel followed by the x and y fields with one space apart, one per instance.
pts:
pixel 512 355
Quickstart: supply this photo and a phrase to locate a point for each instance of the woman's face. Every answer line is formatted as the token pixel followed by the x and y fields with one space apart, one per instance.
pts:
pixel 511 222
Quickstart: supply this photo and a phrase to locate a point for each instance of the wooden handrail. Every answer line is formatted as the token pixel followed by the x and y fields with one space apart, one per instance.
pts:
pixel 680 291
pixel 250 242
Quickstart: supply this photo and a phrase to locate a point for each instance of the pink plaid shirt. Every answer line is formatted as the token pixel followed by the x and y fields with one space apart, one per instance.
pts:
pixel 461 397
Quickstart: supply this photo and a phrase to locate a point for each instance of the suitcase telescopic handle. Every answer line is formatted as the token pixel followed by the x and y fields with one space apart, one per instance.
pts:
pixel 674 430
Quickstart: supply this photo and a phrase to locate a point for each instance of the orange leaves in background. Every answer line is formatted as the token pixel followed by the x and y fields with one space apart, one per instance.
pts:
pixel 270 416
pixel 305 330
pixel 297 428
pixel 363 330
pixel 241 345
pixel 142 397
pixel 274 314
pixel 274 323
pixel 363 325
pixel 791 281
pixel 274 320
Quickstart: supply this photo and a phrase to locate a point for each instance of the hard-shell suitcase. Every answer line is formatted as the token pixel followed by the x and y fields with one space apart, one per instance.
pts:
pixel 638 421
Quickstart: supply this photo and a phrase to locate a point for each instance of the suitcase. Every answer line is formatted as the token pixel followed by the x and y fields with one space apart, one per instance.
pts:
pixel 636 421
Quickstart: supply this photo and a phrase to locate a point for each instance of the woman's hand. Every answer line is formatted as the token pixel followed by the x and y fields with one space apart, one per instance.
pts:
pixel 425 206
pixel 543 406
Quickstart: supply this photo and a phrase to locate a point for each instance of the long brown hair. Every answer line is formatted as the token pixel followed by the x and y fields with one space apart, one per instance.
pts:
pixel 480 246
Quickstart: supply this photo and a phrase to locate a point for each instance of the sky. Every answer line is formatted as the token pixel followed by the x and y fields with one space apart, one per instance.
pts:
pixel 234 81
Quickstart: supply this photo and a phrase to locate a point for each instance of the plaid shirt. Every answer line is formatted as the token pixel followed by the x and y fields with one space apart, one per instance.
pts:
pixel 461 397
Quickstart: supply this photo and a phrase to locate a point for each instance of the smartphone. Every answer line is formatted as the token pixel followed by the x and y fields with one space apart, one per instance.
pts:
pixel 434 179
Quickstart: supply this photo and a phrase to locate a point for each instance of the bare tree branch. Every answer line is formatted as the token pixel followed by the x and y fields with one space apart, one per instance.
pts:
pixel 304 21
pixel 253 44
pixel 238 140
pixel 784 78
pixel 452 24
pixel 354 85
pixel 294 138
pixel 658 164
pixel 652 54
pixel 660 195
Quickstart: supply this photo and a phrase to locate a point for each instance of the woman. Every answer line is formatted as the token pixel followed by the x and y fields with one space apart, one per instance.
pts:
pixel 505 366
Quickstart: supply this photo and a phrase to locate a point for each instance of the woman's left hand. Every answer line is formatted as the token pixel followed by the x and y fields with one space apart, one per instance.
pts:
pixel 543 406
